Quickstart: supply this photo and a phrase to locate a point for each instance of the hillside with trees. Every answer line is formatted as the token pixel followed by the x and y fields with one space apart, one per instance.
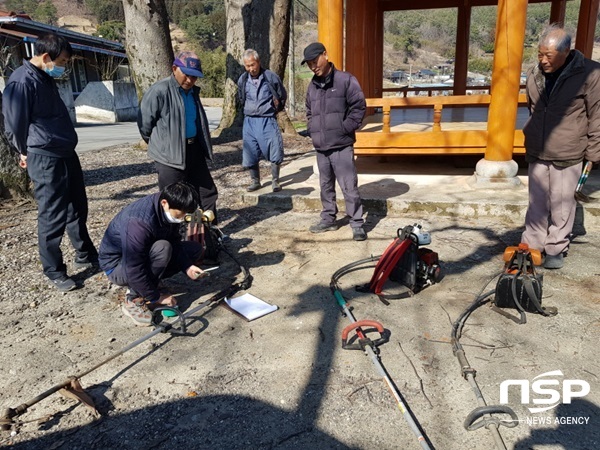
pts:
pixel 426 37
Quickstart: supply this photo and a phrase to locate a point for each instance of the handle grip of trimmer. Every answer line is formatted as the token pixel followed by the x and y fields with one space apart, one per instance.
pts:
pixel 471 423
pixel 173 311
pixel 363 340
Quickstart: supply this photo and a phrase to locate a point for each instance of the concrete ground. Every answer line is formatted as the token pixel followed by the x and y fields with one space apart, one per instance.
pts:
pixel 398 186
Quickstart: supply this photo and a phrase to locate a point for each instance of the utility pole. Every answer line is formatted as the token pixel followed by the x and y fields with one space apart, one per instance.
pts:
pixel 292 68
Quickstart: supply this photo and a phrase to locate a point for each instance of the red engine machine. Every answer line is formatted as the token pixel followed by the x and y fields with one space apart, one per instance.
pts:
pixel 405 261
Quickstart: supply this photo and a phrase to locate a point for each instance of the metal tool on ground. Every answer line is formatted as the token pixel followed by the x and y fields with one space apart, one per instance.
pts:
pixel 361 341
pixel 72 387
pixel 487 413
pixel 579 195
pixel 518 287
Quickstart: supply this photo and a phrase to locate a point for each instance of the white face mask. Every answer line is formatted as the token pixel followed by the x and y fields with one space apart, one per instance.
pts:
pixel 172 219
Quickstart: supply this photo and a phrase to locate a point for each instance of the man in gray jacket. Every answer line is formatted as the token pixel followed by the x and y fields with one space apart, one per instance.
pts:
pixel 563 94
pixel 173 122
pixel 335 107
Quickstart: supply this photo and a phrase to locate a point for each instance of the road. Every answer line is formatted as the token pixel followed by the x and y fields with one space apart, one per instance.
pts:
pixel 94 136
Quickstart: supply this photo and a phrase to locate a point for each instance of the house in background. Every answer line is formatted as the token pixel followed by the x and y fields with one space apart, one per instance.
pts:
pixel 98 64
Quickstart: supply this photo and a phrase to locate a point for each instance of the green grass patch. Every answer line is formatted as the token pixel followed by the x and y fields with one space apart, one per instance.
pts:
pixel 304 75
pixel 299 126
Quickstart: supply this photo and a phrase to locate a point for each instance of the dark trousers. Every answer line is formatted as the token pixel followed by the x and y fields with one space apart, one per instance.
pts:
pixel 339 165
pixel 62 205
pixel 162 262
pixel 196 173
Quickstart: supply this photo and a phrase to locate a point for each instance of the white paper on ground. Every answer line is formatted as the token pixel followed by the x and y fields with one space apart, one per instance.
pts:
pixel 249 306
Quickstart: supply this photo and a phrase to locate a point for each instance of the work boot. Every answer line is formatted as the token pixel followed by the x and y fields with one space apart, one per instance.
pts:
pixel 86 263
pixel 64 283
pixel 323 227
pixel 255 177
pixel 359 234
pixel 275 174
pixel 554 261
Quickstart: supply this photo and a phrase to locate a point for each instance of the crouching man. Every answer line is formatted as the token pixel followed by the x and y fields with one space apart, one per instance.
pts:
pixel 143 245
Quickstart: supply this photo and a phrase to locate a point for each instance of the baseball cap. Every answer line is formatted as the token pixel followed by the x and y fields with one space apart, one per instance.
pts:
pixel 189 63
pixel 312 51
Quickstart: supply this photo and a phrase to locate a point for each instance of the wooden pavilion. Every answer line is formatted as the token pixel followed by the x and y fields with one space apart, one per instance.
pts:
pixel 497 139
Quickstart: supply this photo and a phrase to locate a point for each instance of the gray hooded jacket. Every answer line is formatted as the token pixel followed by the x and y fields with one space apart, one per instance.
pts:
pixel 161 120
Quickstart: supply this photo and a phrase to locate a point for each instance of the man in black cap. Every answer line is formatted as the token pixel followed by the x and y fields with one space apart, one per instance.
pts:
pixel 173 122
pixel 335 107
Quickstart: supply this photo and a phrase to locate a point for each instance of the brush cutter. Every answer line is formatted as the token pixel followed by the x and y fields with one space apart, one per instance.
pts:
pixel 484 415
pixel 361 341
pixel 518 287
pixel 579 195
pixel 72 387
pixel 405 261
pixel 199 228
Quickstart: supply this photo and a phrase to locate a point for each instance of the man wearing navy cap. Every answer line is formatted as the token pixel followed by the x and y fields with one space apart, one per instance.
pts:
pixel 335 107
pixel 173 122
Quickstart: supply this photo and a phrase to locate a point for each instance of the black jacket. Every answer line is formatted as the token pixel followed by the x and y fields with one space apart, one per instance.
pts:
pixel 334 111
pixel 36 119
pixel 128 240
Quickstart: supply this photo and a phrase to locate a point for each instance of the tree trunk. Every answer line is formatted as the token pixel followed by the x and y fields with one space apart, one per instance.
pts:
pixel 148 42
pixel 14 181
pixel 263 25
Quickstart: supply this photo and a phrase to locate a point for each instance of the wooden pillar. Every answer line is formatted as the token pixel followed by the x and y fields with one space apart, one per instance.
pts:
pixel 364 53
pixel 557 12
pixel 586 27
pixel 378 51
pixel 461 60
pixel 357 58
pixel 506 75
pixel 331 29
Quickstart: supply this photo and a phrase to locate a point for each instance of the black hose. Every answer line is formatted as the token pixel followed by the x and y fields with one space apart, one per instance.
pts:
pixel 480 300
pixel 348 268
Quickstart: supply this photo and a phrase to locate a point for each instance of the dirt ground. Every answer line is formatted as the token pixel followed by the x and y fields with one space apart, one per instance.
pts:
pixel 283 381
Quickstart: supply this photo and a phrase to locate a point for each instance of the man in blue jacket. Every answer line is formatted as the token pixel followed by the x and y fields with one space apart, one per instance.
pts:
pixel 172 120
pixel 335 107
pixel 262 96
pixel 38 124
pixel 142 245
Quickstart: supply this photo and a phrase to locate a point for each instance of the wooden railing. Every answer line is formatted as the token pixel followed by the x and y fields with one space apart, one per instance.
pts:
pixel 436 141
pixel 405 90
pixel 430 90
